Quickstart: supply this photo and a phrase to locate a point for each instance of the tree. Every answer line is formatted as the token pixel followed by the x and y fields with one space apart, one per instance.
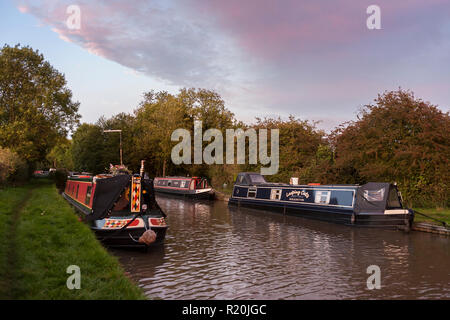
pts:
pixel 111 146
pixel 88 149
pixel 60 156
pixel 36 107
pixel 398 138
pixel 157 117
pixel 299 143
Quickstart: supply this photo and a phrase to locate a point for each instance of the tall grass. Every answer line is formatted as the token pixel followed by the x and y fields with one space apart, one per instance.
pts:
pixel 49 238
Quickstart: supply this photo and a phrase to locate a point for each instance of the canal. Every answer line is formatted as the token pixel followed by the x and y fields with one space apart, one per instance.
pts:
pixel 216 252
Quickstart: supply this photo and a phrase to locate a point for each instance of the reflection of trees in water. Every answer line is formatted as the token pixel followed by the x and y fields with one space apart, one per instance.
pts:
pixel 216 252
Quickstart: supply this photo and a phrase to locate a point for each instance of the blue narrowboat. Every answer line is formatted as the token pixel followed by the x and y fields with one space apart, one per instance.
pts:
pixel 369 205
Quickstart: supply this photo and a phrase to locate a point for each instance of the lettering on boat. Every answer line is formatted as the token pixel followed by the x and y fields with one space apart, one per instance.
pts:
pixel 297 195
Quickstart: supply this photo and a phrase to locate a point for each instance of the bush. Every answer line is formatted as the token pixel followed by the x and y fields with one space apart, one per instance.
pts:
pixel 12 168
pixel 60 178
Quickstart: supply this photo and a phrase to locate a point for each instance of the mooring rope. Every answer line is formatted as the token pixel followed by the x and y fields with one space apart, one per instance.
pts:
pixel 445 224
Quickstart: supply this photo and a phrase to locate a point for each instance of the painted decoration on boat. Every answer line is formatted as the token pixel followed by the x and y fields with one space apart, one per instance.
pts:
pixel 297 195
pixel 119 223
pixel 136 194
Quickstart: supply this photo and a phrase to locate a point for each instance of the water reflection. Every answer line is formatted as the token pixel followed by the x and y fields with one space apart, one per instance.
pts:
pixel 216 252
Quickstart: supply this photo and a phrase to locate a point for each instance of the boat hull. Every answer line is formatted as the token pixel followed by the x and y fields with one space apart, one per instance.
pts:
pixel 190 194
pixel 116 237
pixel 334 215
pixel 128 238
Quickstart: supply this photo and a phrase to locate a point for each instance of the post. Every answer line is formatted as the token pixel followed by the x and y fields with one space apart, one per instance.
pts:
pixel 142 169
pixel 121 161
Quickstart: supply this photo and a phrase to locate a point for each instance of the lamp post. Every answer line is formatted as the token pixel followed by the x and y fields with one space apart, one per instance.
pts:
pixel 120 131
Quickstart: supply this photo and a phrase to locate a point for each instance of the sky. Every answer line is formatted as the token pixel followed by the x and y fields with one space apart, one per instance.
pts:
pixel 316 60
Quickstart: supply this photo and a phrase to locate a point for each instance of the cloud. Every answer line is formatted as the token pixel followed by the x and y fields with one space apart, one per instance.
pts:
pixel 314 59
pixel 150 37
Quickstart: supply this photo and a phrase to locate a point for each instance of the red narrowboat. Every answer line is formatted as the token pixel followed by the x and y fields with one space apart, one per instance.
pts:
pixel 121 209
pixel 190 187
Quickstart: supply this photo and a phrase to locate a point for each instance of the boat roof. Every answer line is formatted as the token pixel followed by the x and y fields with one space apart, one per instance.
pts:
pixel 273 185
pixel 262 183
pixel 80 178
pixel 178 177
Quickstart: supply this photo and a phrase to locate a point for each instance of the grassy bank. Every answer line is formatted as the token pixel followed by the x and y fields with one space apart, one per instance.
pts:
pixel 441 214
pixel 40 236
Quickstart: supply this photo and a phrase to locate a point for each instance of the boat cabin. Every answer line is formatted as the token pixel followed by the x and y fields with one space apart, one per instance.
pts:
pixel 334 202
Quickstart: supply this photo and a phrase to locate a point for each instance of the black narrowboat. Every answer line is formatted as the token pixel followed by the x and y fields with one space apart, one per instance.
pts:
pixel 121 209
pixel 190 187
pixel 369 205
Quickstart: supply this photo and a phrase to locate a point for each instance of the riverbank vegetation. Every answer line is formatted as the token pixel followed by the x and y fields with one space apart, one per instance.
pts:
pixel 40 236
pixel 396 138
pixel 399 138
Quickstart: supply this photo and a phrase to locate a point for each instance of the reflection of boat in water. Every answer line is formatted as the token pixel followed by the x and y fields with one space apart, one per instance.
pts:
pixel 121 209
pixel 369 205
pixel 189 187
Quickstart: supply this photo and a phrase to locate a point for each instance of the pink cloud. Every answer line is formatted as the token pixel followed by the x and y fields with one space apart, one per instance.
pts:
pixel 276 29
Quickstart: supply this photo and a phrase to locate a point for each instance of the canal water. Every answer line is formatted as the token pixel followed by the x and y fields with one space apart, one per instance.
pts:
pixel 216 252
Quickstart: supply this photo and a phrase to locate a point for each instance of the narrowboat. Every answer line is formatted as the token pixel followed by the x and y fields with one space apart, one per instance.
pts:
pixel 190 187
pixel 369 205
pixel 121 209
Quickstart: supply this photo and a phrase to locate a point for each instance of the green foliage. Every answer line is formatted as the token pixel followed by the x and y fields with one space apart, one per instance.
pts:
pixel 36 107
pixel 88 149
pixel 60 178
pixel 60 156
pixel 12 167
pixel 399 138
pixel 299 143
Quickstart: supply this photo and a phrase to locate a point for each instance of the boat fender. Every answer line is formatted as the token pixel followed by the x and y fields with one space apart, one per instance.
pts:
pixel 148 237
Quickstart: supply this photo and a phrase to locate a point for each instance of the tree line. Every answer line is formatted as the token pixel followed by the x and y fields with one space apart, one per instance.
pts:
pixel 396 138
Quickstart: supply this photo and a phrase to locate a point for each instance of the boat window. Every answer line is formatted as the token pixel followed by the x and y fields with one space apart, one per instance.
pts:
pixel 78 187
pixel 393 200
pixel 169 183
pixel 240 178
pixel 257 178
pixel 183 184
pixel 275 194
pixel 374 195
pixel 322 197
pixel 176 183
pixel 88 195
pixel 342 198
pixel 251 193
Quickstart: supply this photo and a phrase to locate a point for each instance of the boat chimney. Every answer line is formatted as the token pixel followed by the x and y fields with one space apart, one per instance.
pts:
pixel 142 168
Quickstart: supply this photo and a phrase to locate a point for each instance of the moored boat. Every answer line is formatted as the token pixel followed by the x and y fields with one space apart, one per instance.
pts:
pixel 121 209
pixel 190 187
pixel 369 205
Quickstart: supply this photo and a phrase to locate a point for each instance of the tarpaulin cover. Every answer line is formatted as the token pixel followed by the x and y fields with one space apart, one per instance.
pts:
pixel 372 197
pixel 107 191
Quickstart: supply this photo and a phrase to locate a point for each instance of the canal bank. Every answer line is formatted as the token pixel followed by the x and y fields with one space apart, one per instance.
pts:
pixel 40 237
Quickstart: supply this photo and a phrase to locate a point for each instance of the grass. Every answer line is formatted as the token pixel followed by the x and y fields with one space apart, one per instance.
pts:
pixel 47 238
pixel 442 214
